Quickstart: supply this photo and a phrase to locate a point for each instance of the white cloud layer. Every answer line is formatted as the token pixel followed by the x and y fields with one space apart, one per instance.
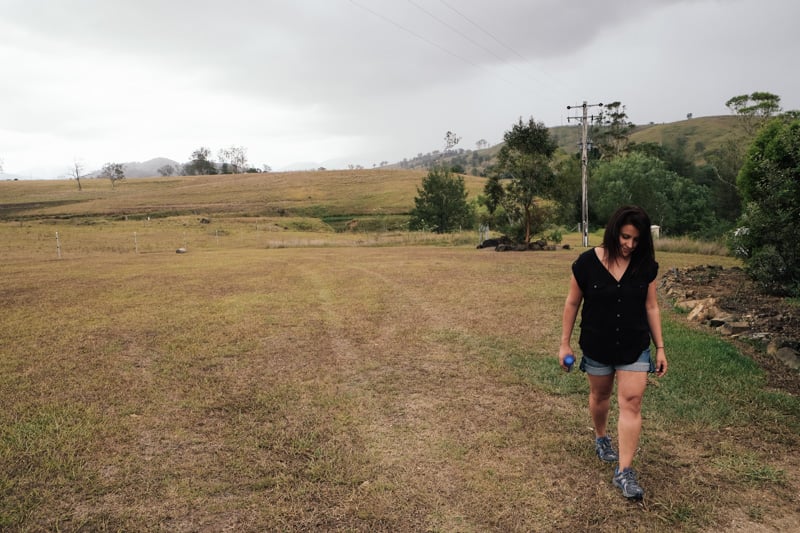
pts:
pixel 361 81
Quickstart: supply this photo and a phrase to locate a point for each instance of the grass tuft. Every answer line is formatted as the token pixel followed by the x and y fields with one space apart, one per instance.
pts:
pixel 687 245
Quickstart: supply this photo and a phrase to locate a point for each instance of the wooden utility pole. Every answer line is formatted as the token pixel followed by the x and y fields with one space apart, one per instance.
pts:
pixel 584 165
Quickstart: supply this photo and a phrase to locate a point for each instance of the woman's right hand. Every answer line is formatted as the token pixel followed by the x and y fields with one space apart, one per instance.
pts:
pixel 564 351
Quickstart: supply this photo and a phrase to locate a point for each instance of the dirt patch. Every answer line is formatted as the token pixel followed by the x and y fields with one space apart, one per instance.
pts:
pixel 769 318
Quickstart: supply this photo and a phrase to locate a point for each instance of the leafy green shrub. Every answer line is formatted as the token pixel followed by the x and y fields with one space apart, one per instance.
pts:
pixel 441 203
pixel 554 234
pixel 769 182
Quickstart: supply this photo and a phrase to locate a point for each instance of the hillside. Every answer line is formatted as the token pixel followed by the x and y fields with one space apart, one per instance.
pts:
pixel 145 169
pixel 335 197
pixel 701 136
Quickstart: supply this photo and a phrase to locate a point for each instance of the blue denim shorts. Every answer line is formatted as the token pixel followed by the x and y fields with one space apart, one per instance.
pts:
pixel 594 368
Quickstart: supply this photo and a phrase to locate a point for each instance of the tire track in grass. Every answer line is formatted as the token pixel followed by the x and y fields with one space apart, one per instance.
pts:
pixel 448 436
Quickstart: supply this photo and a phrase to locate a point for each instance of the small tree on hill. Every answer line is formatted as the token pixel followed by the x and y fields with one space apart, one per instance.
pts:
pixel 441 203
pixel 167 170
pixel 200 164
pixel 754 109
pixel 233 160
pixel 450 141
pixel 114 172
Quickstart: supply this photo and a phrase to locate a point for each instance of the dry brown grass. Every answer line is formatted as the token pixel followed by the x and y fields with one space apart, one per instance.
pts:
pixel 333 388
pixel 365 192
pixel 283 376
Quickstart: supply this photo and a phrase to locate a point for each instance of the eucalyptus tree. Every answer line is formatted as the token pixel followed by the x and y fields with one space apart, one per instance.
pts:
pixel 611 131
pixel 114 172
pixel 524 161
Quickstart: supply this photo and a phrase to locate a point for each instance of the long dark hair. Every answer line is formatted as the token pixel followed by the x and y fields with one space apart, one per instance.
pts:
pixel 644 254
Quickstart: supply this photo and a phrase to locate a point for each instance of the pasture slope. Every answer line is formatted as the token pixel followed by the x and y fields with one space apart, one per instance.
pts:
pixel 279 379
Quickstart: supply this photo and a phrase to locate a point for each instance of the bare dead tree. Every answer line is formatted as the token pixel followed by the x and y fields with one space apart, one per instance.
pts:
pixel 75 172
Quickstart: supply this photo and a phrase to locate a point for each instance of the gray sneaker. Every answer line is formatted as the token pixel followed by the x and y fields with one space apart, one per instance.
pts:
pixel 626 480
pixel 604 450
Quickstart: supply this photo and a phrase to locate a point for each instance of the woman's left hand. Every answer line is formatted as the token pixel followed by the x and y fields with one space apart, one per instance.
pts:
pixel 661 362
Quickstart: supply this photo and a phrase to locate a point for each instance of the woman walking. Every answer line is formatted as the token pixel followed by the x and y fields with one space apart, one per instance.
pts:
pixel 620 316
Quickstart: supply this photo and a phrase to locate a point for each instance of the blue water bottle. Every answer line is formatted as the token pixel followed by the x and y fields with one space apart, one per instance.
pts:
pixel 569 360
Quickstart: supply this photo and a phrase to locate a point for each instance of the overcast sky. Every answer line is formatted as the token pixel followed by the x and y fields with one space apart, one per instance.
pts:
pixel 340 82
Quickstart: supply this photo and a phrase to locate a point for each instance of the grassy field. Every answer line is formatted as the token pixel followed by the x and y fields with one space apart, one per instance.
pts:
pixel 315 194
pixel 299 379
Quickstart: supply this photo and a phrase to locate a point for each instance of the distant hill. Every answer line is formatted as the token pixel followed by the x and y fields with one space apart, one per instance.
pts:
pixel 146 169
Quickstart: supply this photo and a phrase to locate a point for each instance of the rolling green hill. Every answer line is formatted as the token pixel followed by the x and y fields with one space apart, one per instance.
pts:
pixel 701 135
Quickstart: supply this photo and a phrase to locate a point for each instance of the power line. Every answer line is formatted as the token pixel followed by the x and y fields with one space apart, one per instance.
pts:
pixel 487 32
pixel 454 29
pixel 415 34
pixel 440 47
pixel 496 39
pixel 456 55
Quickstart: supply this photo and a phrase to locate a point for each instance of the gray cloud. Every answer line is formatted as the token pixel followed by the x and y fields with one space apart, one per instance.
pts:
pixel 362 80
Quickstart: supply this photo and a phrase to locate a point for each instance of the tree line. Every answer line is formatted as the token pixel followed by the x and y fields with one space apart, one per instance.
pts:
pixel 746 192
pixel 231 160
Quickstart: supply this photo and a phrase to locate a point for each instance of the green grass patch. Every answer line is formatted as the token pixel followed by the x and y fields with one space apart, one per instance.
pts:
pixel 749 468
pixel 367 223
pixel 44 452
pixel 712 383
pixel 546 373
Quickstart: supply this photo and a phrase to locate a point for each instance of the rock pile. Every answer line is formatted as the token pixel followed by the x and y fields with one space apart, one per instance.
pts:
pixel 756 318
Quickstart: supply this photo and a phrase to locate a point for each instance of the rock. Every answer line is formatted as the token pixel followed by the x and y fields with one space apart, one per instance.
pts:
pixel 720 319
pixel 687 305
pixel 789 357
pixel 780 342
pixel 699 310
pixel 734 328
pixel 494 243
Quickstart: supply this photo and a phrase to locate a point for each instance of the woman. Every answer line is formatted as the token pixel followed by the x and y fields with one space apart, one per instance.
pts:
pixel 616 283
